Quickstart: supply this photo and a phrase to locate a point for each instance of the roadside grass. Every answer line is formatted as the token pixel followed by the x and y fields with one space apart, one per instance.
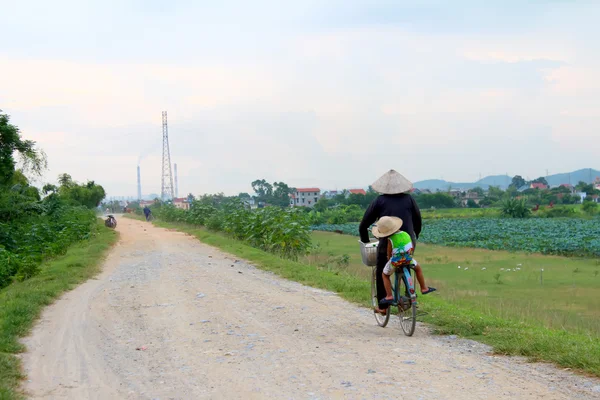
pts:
pixel 21 303
pixel 514 313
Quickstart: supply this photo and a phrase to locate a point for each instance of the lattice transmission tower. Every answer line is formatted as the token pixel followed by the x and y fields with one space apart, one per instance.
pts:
pixel 167 176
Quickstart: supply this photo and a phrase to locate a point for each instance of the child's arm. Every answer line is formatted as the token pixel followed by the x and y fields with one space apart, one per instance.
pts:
pixel 389 250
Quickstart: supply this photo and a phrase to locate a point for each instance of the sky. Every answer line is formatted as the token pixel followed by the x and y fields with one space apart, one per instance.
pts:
pixel 327 94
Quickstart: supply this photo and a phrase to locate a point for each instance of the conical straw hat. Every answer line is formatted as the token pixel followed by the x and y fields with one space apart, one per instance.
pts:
pixel 392 182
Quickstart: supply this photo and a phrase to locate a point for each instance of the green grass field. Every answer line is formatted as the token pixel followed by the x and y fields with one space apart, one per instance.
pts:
pixel 22 302
pixel 503 284
pixel 511 311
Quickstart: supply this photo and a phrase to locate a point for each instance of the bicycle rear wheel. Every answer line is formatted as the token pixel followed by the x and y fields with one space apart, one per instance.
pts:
pixel 408 316
pixel 382 320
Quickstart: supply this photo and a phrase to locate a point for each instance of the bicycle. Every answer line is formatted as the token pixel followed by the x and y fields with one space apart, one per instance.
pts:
pixel 403 283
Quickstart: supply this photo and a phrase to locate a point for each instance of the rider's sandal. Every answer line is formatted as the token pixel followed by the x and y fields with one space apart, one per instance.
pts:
pixel 386 302
pixel 431 289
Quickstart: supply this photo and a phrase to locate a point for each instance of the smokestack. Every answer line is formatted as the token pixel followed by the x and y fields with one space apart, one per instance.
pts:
pixel 176 184
pixel 139 184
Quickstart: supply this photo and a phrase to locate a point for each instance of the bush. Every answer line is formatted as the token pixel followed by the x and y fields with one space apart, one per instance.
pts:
pixel 284 232
pixel 590 207
pixel 515 208
pixel 558 212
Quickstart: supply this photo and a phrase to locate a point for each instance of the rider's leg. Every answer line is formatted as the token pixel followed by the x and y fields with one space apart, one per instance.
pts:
pixel 385 275
pixel 381 261
pixel 421 278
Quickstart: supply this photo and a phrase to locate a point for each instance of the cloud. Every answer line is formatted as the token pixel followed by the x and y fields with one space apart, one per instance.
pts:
pixel 312 93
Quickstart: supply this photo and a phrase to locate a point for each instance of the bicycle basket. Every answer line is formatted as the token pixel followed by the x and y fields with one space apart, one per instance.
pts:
pixel 368 252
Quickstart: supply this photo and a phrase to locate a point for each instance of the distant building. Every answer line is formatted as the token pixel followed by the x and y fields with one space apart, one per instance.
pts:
pixel 358 191
pixel 597 183
pixel 582 196
pixel 538 185
pixel 181 203
pixel 331 194
pixel 470 196
pixel 456 193
pixel 305 197
pixel 144 203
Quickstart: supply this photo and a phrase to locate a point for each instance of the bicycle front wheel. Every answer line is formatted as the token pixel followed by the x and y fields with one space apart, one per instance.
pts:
pixel 408 319
pixel 382 320
pixel 407 310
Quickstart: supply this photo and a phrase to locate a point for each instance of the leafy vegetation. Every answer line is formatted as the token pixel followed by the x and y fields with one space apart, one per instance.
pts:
pixel 515 208
pixel 33 229
pixel 569 237
pixel 22 302
pixel 284 232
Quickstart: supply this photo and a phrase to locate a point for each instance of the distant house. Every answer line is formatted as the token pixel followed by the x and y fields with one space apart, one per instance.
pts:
pixel 456 193
pixel 523 188
pixel 330 194
pixel 582 196
pixel 305 197
pixel 357 191
pixel 144 203
pixel 595 198
pixel 597 183
pixel 181 203
pixel 538 185
pixel 568 186
pixel 470 196
pixel 250 203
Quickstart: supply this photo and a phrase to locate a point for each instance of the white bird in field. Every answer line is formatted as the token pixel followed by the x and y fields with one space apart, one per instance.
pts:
pixel 519 265
pixel 466 268
pixel 483 269
pixel 501 269
pixel 459 267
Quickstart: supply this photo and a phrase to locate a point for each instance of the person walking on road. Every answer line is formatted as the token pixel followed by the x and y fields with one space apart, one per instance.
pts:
pixel 147 213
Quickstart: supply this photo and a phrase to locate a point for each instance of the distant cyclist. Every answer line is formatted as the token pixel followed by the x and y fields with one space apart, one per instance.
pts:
pixel 147 213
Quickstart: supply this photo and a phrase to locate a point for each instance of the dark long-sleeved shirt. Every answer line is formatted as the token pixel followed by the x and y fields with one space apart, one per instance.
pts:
pixel 393 205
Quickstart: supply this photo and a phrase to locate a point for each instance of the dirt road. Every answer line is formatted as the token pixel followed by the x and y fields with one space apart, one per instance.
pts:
pixel 208 326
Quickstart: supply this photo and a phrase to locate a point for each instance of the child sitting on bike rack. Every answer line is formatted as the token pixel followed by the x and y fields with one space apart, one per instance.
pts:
pixel 400 254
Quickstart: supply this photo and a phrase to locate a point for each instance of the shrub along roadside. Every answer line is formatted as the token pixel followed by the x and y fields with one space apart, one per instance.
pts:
pixel 284 232
pixel 507 337
pixel 22 302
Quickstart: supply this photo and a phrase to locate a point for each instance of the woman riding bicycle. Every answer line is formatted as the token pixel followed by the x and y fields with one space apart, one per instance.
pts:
pixel 394 201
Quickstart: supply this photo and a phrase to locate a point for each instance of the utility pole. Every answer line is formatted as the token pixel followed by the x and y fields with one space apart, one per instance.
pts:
pixel 176 184
pixel 167 176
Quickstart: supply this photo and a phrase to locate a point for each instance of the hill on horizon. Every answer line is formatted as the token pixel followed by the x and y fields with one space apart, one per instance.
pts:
pixel 586 175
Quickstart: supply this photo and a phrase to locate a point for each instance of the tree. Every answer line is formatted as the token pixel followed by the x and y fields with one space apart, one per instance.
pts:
pixel 495 193
pixel 541 179
pixel 33 160
pixel 89 195
pixel 281 194
pixel 322 204
pixel 477 190
pixel 472 204
pixel 515 208
pixel 49 188
pixel 585 187
pixel 590 207
pixel 518 181
pixel 263 189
